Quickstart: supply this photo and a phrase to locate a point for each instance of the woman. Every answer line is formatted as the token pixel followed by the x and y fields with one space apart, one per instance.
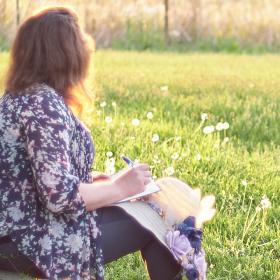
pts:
pixel 54 214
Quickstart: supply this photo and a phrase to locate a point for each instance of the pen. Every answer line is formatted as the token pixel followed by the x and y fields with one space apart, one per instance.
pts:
pixel 127 160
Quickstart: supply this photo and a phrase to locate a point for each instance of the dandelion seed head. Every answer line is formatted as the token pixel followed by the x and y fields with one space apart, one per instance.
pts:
pixel 226 125
pixel 114 104
pixel 244 182
pixel 135 122
pixel 164 88
pixel 110 166
pixel 203 116
pixel 208 129
pixel 198 157
pixel 265 202
pixel 103 104
pixel 175 156
pixel 108 119
pixel 109 154
pixel 219 126
pixel 156 159
pixel 150 115
pixel 226 139
pixel 155 137
pixel 98 112
pixel 169 170
pixel 178 138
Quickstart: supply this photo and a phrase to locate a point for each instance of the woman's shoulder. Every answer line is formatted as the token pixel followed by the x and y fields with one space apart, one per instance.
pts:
pixel 42 96
pixel 40 93
pixel 35 94
pixel 41 101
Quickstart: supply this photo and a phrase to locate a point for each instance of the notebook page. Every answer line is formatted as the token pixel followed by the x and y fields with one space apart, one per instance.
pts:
pixel 150 188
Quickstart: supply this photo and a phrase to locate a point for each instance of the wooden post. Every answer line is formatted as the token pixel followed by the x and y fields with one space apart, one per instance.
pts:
pixel 17 13
pixel 166 21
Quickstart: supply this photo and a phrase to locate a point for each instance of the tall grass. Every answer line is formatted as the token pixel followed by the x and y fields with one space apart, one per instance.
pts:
pixel 239 165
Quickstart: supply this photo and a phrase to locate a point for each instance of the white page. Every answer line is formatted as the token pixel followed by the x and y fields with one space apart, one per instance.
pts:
pixel 150 188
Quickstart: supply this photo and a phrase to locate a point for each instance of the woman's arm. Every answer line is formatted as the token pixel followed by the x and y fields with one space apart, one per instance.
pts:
pixel 99 194
pixel 128 182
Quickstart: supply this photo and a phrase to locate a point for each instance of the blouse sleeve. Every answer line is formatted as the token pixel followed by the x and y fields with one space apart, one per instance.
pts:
pixel 47 130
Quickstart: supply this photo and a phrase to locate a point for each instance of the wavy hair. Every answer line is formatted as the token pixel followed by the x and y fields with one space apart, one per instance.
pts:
pixel 50 47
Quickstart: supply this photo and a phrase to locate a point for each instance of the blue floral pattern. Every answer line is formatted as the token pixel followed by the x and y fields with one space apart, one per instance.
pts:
pixel 45 152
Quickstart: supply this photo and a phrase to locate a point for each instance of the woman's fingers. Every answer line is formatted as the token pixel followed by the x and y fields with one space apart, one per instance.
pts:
pixel 147 174
pixel 147 181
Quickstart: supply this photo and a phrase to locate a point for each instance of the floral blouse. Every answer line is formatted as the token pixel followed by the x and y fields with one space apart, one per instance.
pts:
pixel 45 152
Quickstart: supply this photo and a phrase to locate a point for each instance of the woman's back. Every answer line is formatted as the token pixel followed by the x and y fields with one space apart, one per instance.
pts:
pixel 44 153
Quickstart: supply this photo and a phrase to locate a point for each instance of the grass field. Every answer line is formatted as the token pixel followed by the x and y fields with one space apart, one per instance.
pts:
pixel 240 164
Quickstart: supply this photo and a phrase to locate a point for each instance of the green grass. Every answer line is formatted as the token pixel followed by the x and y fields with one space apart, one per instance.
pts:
pixel 242 90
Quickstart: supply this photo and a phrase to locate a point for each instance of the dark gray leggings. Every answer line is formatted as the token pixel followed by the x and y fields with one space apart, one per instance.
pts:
pixel 121 235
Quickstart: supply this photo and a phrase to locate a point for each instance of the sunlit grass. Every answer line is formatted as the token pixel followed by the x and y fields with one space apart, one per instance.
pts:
pixel 212 121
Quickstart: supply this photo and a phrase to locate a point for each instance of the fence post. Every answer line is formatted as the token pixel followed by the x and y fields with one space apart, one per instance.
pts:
pixel 17 13
pixel 166 21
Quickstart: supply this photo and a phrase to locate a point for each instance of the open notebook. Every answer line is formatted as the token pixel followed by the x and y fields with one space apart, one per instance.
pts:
pixel 150 188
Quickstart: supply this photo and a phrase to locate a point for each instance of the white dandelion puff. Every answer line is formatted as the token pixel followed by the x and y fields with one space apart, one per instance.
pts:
pixel 198 157
pixel 244 182
pixel 164 88
pixel 203 116
pixel 114 104
pixel 110 166
pixel 109 154
pixel 135 122
pixel 265 202
pixel 169 170
pixel 150 115
pixel 226 139
pixel 108 119
pixel 208 129
pixel 155 137
pixel 175 156
pixel 219 126
pixel 156 159
pixel 103 104
pixel 226 125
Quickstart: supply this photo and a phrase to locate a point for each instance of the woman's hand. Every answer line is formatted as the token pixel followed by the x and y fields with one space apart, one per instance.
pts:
pixel 99 176
pixel 132 180
pixel 110 189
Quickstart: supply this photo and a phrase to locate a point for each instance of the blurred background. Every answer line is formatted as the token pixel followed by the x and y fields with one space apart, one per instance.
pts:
pixel 203 25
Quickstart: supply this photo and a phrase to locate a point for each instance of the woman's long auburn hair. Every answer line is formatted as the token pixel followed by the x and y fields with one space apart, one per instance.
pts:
pixel 51 48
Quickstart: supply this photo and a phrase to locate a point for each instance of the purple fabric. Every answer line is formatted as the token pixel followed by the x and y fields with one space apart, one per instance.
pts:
pixel 45 152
